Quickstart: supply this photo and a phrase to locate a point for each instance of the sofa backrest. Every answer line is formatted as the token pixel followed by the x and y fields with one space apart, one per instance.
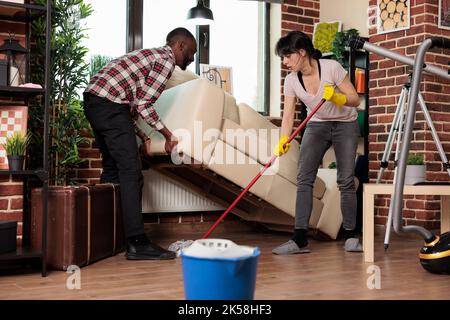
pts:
pixel 179 77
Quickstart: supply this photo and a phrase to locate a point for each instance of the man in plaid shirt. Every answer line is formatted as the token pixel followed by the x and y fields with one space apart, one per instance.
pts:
pixel 126 87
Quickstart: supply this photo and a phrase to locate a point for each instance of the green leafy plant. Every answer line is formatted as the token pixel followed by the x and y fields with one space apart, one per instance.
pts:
pixel 340 44
pixel 16 145
pixel 69 74
pixel 415 160
pixel 96 63
pixel 332 165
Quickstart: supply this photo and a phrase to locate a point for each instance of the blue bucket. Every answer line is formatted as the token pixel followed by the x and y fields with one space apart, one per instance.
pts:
pixel 220 278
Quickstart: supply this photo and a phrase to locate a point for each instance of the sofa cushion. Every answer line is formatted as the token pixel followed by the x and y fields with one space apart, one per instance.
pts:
pixel 193 112
pixel 267 131
pixel 230 109
pixel 235 166
pixel 249 118
pixel 179 76
pixel 246 140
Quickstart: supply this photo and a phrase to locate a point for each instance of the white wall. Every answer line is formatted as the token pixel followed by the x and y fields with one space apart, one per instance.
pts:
pixel 352 13
pixel 275 62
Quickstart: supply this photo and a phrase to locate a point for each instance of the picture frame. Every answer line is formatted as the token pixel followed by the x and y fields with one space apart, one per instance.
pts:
pixel 12 119
pixel 324 34
pixel 444 14
pixel 221 76
pixel 393 15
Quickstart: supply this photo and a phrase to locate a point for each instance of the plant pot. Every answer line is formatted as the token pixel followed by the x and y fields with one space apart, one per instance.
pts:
pixel 15 162
pixel 414 174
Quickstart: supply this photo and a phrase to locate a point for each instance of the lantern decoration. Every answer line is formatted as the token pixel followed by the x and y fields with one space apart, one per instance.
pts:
pixel 12 70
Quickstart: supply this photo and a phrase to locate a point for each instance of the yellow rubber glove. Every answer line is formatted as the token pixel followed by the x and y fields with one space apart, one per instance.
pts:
pixel 329 94
pixel 279 150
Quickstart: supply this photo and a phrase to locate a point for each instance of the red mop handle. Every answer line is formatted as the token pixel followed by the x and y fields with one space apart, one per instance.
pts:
pixel 293 135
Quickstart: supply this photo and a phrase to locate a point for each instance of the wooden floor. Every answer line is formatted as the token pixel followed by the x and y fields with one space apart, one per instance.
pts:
pixel 326 273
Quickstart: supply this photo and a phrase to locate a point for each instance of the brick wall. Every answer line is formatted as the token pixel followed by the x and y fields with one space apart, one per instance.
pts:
pixel 90 171
pixel 11 189
pixel 386 80
pixel 297 15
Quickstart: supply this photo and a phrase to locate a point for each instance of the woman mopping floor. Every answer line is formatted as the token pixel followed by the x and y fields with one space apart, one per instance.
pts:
pixel 310 80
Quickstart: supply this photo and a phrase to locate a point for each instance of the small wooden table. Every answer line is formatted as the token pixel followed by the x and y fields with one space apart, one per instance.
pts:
pixel 372 189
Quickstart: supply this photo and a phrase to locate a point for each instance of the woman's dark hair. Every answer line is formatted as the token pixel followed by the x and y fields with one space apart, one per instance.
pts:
pixel 293 42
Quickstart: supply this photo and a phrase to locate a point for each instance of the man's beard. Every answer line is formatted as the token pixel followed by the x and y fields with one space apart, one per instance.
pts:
pixel 185 63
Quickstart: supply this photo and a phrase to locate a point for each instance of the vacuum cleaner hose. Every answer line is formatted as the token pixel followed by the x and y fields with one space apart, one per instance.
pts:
pixel 359 43
pixel 440 42
pixel 435 254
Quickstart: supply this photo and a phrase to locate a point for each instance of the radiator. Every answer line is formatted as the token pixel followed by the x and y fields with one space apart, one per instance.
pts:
pixel 163 194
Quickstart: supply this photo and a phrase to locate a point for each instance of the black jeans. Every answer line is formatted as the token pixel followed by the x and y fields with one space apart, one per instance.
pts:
pixel 115 136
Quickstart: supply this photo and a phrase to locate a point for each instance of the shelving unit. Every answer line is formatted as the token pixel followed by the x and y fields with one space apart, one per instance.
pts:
pixel 360 59
pixel 19 12
pixel 26 13
pixel 20 91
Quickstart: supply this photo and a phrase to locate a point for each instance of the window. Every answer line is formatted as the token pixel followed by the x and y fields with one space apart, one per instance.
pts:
pixel 106 28
pixel 108 18
pixel 238 41
pixel 161 17
pixel 237 38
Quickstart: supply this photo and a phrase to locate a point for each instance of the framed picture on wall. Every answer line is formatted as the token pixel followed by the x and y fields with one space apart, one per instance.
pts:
pixel 444 14
pixel 393 15
pixel 324 34
pixel 219 75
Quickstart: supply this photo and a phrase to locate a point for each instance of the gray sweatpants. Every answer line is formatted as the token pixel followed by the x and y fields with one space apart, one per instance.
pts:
pixel 318 137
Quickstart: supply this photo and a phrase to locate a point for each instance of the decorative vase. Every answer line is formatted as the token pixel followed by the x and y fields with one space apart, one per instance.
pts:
pixel 414 174
pixel 15 163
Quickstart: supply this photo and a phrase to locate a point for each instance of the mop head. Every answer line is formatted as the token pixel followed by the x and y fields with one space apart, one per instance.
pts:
pixel 177 246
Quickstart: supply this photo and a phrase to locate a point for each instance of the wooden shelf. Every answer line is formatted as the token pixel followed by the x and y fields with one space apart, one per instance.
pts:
pixel 41 174
pixel 21 253
pixel 20 91
pixel 21 12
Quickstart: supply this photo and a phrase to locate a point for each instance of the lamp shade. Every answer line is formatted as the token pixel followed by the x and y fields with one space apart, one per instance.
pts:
pixel 200 15
pixel 13 73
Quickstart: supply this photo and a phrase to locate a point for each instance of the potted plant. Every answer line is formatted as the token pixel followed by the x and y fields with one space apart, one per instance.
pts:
pixel 81 219
pixel 15 147
pixel 340 45
pixel 415 169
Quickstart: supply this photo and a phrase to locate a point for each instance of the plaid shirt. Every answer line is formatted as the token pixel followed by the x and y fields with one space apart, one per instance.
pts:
pixel 138 79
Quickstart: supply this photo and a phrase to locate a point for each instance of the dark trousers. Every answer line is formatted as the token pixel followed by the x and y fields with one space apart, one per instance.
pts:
pixel 318 137
pixel 115 136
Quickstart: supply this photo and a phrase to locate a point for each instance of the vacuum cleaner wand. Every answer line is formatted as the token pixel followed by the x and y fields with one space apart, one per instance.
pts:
pixel 359 43
pixel 271 161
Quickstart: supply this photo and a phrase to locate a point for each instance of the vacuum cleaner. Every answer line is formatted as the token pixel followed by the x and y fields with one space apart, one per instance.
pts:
pixel 435 254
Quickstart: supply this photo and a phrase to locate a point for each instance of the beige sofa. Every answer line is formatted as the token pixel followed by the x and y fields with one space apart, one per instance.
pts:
pixel 211 127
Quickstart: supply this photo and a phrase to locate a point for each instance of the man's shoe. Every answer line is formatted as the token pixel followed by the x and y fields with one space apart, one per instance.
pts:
pixel 149 251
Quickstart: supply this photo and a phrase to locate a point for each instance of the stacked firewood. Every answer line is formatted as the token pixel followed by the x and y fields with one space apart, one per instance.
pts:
pixel 393 14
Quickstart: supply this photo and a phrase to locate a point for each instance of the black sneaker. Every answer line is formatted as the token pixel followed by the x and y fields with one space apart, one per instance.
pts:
pixel 148 251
